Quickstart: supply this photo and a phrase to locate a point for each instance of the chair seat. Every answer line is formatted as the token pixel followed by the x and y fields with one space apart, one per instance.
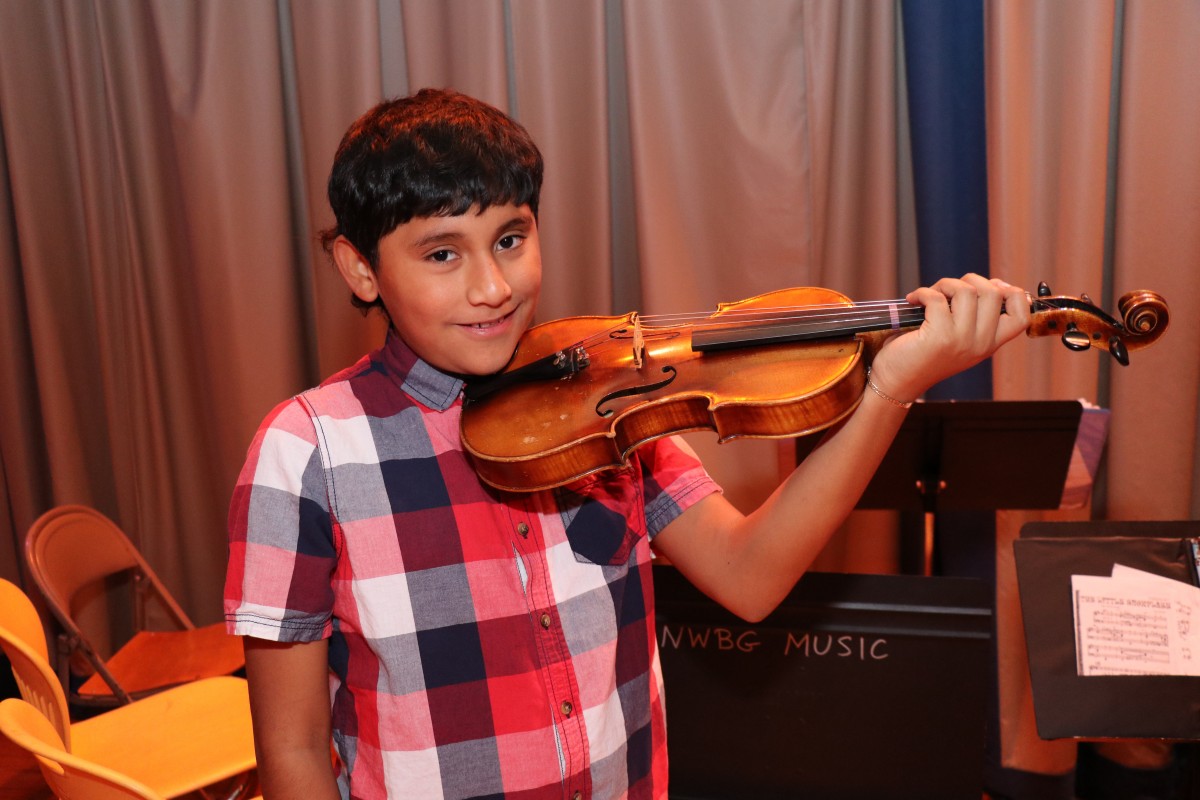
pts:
pixel 152 660
pixel 132 740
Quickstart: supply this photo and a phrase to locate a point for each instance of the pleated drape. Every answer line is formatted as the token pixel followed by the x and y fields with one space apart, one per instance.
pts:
pixel 1094 187
pixel 163 169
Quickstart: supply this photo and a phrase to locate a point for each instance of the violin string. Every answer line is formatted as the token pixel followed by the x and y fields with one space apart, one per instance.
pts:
pixel 814 315
pixel 805 310
pixel 796 315
pixel 844 315
pixel 811 310
pixel 848 317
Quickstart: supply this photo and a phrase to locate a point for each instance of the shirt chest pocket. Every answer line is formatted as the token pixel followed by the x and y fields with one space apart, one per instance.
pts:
pixel 603 516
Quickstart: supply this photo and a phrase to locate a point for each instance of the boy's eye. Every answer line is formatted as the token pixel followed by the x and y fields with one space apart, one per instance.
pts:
pixel 441 256
pixel 510 241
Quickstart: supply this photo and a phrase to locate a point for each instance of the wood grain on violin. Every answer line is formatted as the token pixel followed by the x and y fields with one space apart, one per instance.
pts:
pixel 580 394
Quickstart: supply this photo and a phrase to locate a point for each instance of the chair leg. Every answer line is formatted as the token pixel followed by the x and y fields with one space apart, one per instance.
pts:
pixel 239 787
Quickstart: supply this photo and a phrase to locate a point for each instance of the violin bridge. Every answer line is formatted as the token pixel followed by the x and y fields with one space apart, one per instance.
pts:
pixel 639 343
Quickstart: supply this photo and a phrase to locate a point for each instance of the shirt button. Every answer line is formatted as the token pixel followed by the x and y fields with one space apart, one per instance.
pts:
pixel 523 529
pixel 577 796
pixel 566 708
pixel 545 620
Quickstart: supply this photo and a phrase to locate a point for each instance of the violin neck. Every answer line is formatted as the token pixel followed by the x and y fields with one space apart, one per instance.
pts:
pixel 800 325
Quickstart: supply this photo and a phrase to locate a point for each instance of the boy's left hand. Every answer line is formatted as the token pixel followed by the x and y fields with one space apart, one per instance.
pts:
pixel 966 320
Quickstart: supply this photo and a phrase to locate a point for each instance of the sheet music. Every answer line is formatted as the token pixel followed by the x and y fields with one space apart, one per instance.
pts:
pixel 1136 623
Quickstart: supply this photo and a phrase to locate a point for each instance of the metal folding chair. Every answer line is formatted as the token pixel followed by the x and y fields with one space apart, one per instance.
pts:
pixel 76 554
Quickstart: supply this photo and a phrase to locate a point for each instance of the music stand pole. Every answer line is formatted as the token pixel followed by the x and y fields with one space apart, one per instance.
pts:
pixel 928 490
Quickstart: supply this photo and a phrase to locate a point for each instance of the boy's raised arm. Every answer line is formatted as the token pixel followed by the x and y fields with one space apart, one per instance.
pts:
pixel 289 703
pixel 749 563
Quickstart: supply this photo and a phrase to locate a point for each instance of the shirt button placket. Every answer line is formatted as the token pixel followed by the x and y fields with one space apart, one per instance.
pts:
pixel 546 620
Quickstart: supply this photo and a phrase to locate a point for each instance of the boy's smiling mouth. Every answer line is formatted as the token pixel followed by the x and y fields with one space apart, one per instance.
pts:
pixel 491 323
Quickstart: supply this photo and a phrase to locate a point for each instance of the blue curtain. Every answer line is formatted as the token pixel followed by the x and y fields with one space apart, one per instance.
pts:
pixel 943 43
pixel 944 46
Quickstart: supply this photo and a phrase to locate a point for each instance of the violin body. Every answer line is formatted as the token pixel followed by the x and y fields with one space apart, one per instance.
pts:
pixel 550 432
pixel 580 394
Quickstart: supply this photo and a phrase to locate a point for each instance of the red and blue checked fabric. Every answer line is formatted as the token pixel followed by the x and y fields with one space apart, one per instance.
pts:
pixel 482 644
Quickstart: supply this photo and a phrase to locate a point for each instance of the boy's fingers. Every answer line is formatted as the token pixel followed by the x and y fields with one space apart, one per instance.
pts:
pixel 990 311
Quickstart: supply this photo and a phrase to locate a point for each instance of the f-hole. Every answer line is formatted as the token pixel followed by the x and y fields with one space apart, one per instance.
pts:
pixel 646 388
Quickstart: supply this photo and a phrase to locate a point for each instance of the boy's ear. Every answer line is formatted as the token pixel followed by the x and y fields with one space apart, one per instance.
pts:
pixel 355 269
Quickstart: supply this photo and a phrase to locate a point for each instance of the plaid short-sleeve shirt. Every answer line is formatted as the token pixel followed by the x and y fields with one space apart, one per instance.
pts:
pixel 482 644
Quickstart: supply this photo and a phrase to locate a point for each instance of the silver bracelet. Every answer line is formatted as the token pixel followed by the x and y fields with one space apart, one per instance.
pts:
pixel 883 394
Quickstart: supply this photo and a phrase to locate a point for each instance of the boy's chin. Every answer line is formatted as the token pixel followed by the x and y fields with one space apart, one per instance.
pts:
pixel 481 368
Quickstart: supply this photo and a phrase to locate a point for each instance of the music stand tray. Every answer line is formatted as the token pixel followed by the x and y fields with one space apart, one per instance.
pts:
pixel 1067 705
pixel 973 455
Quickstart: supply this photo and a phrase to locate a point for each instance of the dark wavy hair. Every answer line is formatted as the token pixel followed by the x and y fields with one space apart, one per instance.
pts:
pixel 434 153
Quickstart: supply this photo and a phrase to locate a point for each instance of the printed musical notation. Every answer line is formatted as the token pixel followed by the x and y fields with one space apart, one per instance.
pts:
pixel 1135 623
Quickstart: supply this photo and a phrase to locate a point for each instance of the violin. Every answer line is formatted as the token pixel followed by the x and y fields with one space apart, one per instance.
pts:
pixel 580 394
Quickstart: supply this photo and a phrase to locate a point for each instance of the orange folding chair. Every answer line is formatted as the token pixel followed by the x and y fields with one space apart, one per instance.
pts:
pixel 176 741
pixel 68 776
pixel 74 554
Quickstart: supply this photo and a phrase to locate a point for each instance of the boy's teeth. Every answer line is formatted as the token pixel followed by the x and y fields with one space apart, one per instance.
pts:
pixel 489 324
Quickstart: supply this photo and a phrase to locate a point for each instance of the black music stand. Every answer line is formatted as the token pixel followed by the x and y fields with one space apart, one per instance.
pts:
pixel 1066 704
pixel 974 455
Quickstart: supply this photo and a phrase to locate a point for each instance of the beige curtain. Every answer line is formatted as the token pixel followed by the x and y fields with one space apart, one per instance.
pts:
pixel 1094 186
pixel 1104 209
pixel 164 168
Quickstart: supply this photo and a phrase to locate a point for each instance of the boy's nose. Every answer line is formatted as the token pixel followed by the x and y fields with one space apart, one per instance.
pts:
pixel 488 285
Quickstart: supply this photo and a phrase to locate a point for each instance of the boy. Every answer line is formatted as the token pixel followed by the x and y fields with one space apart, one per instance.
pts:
pixel 476 643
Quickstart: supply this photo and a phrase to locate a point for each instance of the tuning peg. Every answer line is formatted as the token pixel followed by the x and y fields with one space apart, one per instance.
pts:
pixel 1076 339
pixel 1117 348
pixel 1043 289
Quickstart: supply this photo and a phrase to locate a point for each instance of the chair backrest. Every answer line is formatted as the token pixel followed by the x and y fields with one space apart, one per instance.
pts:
pixel 67 775
pixel 24 643
pixel 70 548
pixel 21 618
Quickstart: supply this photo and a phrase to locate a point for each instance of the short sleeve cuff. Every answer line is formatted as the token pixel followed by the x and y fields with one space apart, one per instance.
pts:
pixel 264 626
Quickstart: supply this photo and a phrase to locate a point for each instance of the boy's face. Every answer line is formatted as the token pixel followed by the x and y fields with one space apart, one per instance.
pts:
pixel 460 290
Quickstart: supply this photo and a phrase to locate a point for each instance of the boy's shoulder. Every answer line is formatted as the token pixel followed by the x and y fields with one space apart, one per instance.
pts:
pixel 368 386
pixel 366 365
pixel 382 384
pixel 335 395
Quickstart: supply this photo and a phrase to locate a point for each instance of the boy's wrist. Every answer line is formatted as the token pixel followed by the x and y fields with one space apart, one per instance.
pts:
pixel 885 393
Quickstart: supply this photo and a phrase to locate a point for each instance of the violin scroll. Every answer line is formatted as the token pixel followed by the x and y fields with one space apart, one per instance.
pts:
pixel 1144 312
pixel 1144 318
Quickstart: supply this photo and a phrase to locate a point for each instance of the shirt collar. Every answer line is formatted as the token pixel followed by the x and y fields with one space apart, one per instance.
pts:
pixel 421 381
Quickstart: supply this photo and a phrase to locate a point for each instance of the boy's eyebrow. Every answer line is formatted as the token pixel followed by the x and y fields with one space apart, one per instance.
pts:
pixel 437 237
pixel 521 219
